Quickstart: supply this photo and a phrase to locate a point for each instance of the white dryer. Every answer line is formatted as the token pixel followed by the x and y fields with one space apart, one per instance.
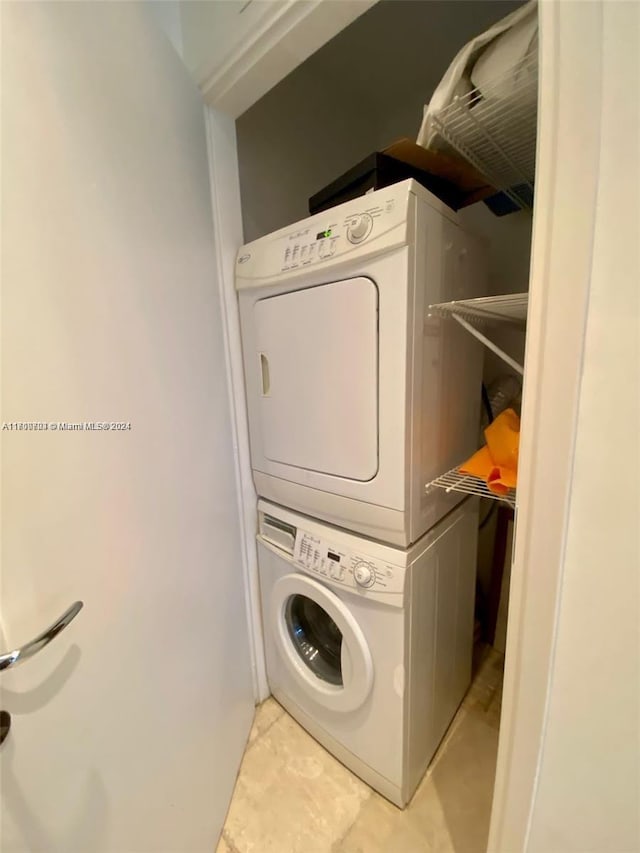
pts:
pixel 369 646
pixel 356 395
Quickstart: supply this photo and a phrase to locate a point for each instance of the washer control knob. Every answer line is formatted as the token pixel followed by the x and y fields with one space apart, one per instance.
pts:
pixel 359 228
pixel 364 574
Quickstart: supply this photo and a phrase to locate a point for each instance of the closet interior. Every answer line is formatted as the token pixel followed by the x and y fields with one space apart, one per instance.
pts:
pixel 362 92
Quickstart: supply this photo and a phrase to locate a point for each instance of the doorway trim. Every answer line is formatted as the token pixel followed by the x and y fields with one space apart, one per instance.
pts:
pixel 564 217
pixel 569 109
pixel 284 37
pixel 227 232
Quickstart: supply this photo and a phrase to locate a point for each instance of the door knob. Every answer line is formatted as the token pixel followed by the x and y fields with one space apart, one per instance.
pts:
pixel 29 649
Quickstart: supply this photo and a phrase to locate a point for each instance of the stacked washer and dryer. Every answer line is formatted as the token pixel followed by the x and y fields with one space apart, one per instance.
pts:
pixel 357 397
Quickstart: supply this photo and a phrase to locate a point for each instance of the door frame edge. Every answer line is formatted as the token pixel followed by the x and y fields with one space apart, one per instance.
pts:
pixel 228 237
pixel 569 108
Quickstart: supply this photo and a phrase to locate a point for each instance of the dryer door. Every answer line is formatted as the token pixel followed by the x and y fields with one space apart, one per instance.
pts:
pixel 321 643
pixel 317 361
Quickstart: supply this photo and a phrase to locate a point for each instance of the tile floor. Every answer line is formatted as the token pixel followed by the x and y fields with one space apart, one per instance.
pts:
pixel 292 796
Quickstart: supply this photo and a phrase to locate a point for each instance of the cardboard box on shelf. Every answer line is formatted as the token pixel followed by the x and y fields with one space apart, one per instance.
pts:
pixel 453 181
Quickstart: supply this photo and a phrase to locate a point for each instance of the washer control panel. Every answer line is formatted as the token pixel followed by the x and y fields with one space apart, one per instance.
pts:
pixel 332 562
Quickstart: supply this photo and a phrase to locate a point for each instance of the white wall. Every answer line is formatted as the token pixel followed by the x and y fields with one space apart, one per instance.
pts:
pixel 296 139
pixel 588 790
pixel 166 14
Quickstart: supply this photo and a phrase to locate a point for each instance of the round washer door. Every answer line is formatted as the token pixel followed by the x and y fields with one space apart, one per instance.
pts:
pixel 321 643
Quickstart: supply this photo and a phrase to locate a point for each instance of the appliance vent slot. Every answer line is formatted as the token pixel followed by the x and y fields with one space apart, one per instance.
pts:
pixel 278 532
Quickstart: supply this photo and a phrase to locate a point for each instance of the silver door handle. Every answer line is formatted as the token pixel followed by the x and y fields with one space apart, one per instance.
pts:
pixel 22 654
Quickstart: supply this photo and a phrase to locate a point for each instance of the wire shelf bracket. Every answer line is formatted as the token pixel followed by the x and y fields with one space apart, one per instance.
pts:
pixel 454 481
pixel 470 313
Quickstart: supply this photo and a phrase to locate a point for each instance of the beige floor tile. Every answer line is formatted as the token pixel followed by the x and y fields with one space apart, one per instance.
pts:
pixel 266 715
pixel 458 789
pixel 383 828
pixel 488 667
pixel 451 809
pixel 486 705
pixel 223 847
pixel 484 698
pixel 291 795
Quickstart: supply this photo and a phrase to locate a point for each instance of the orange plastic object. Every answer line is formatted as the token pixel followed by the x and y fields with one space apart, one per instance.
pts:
pixel 500 480
pixel 503 439
pixel 480 465
pixel 497 462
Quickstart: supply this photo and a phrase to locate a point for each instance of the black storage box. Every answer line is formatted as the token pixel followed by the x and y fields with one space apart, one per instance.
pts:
pixel 376 171
pixel 455 183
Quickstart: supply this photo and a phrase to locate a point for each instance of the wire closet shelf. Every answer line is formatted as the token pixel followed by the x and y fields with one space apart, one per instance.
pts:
pixel 454 481
pixel 511 309
pixel 494 129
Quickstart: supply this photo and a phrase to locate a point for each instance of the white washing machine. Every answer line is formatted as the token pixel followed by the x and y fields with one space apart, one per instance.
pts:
pixel 369 646
pixel 356 395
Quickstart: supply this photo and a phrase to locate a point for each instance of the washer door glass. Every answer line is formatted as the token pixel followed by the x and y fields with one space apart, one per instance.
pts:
pixel 315 637
pixel 320 643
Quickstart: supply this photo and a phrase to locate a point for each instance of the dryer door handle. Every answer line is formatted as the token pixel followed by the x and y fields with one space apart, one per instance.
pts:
pixel 264 371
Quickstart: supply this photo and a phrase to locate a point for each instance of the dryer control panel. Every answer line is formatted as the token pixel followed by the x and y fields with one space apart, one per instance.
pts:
pixel 333 563
pixel 375 222
pixel 308 245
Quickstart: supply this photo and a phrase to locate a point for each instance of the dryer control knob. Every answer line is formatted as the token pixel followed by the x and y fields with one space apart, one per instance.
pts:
pixel 359 228
pixel 364 575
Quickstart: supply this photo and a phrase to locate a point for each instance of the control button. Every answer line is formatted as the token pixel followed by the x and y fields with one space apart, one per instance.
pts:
pixel 337 572
pixel 360 228
pixel 364 575
pixel 325 249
